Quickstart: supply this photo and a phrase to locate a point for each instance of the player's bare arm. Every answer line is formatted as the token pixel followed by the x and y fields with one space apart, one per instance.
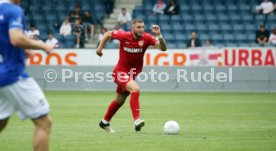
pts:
pixel 105 39
pixel 18 39
pixel 161 45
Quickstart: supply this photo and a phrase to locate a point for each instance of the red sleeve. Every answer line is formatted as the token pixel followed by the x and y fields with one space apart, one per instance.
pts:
pixel 152 41
pixel 117 34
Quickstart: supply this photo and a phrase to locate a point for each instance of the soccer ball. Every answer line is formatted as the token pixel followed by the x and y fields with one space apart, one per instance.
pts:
pixel 171 128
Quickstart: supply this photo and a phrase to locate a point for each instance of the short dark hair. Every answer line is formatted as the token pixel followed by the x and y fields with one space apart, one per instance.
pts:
pixel 137 20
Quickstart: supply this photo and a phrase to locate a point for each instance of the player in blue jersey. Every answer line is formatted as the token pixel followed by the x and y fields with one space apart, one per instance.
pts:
pixel 19 92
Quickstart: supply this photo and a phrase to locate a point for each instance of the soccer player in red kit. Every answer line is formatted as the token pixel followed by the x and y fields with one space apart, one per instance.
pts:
pixel 133 46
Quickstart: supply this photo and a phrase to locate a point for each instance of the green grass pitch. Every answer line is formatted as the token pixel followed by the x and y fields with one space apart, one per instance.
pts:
pixel 208 121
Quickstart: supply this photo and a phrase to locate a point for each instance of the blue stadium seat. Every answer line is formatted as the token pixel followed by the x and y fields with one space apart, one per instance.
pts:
pixel 217 38
pixel 176 18
pixel 220 8
pixel 235 17
pixel 178 28
pixel 185 8
pixel 226 27
pixel 165 27
pixel 189 27
pixel 61 8
pixel 260 18
pixel 86 7
pixel 209 8
pixel 232 8
pixel 51 17
pixel 238 27
pixel 213 27
pixel 242 37
pixel 201 27
pixel 223 17
pixel 152 18
pixel 229 38
pixel 211 17
pixel 171 45
pixel 43 36
pixel 148 7
pixel 204 37
pixel 169 38
pixel 164 18
pixel 47 9
pixel 182 45
pixel 247 17
pixel 251 37
pixel 199 17
pixel 180 37
pixel 60 38
pixel 187 18
pixel 197 8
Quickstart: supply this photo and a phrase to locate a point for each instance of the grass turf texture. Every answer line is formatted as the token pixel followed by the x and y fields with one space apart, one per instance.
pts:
pixel 208 121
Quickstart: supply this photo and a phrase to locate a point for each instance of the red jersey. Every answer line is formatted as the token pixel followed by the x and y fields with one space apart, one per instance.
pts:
pixel 132 50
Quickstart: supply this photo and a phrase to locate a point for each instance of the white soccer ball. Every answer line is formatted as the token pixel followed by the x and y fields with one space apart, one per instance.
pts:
pixel 171 128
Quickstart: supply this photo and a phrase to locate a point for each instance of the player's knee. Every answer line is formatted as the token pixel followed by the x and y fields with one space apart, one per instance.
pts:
pixel 44 123
pixel 135 89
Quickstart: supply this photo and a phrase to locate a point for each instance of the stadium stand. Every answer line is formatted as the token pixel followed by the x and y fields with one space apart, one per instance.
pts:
pixel 225 22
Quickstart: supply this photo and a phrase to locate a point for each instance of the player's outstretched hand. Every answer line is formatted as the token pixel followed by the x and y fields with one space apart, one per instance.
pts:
pixel 48 49
pixel 99 52
pixel 155 29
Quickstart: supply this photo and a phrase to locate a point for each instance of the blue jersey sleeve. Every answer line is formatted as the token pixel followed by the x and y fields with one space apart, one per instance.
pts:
pixel 15 19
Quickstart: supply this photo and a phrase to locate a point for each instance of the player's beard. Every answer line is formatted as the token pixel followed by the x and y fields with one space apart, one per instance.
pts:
pixel 138 35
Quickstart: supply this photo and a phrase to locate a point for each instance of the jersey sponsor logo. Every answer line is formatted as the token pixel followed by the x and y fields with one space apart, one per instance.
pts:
pixel 17 22
pixel 141 43
pixel 133 50
pixel 1 17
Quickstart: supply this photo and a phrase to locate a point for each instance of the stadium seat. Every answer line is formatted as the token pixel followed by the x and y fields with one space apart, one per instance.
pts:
pixel 164 18
pixel 229 38
pixel 200 27
pixel 208 8
pixel 176 18
pixel 171 45
pixel 235 17
pixel 152 18
pixel 182 45
pixel 187 18
pixel 199 17
pixel 211 17
pixel 204 37
pixel 178 28
pixel 180 37
pixel 238 27
pixel 165 27
pixel 241 38
pixel 189 27
pixel 223 17
pixel 213 27
pixel 232 8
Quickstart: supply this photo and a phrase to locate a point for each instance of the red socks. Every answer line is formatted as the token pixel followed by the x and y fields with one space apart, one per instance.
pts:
pixel 135 105
pixel 112 109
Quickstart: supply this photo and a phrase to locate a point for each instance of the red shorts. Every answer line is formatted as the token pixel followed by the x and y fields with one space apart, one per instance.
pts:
pixel 121 79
